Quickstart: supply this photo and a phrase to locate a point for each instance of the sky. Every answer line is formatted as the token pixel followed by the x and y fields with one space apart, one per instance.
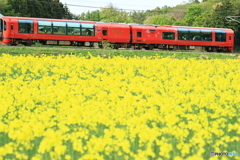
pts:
pixel 91 5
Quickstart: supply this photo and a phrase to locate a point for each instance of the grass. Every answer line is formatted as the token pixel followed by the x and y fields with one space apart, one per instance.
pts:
pixel 110 53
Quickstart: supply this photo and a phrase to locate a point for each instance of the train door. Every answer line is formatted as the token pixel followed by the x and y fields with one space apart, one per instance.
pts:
pixel 105 34
pixel 12 29
pixel 139 36
pixel 231 38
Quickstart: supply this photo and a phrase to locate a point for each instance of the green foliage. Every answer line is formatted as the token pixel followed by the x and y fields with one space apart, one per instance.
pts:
pixel 219 13
pixel 137 17
pixel 19 7
pixel 3 5
pixel 38 50
pixel 42 9
pixel 36 44
pixel 106 45
pixel 112 14
pixel 90 16
pixel 192 14
pixel 5 8
pixel 160 20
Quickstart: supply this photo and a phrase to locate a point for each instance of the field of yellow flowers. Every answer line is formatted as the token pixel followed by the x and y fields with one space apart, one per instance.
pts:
pixel 92 108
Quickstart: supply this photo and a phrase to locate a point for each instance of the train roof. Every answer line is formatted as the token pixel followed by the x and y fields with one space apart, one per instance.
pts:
pixel 129 24
pixel 201 27
pixel 49 19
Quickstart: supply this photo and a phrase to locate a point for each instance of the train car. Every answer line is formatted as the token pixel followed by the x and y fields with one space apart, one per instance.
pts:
pixel 26 31
pixel 116 34
pixel 152 36
pixel 21 30
pixel 210 39
pixel 185 38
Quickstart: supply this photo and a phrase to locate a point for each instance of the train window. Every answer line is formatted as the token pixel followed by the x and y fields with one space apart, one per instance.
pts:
pixel 183 34
pixel 220 36
pixel 87 32
pixel 87 29
pixel 206 35
pixel 59 24
pixel 73 31
pixel 72 24
pixel 44 27
pixel 73 28
pixel 12 28
pixel 194 34
pixel 4 25
pixel 87 25
pixel 59 27
pixel 168 35
pixel 139 34
pixel 44 23
pixel 25 26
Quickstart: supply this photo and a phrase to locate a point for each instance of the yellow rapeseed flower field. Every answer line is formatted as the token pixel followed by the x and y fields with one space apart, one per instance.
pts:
pixel 93 108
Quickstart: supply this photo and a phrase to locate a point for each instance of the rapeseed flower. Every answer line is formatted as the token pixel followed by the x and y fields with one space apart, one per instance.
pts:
pixel 71 107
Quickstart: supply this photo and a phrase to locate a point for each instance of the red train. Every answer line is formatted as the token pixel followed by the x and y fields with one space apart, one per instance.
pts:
pixel 21 30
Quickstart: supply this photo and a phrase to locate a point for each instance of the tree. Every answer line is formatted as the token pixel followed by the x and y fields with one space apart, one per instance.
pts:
pixel 35 9
pixel 193 1
pixel 179 12
pixel 111 14
pixel 160 20
pixel 67 14
pixel 90 16
pixel 137 17
pixel 93 16
pixel 220 12
pixel 19 7
pixel 82 16
pixel 3 6
pixel 42 9
pixel 192 14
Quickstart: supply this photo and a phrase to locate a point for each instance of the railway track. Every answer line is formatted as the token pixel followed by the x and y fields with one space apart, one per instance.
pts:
pixel 125 49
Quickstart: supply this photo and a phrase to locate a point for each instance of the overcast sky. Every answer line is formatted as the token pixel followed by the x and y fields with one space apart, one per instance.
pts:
pixel 91 5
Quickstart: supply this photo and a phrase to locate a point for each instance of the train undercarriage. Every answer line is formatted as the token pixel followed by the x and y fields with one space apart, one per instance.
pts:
pixel 107 45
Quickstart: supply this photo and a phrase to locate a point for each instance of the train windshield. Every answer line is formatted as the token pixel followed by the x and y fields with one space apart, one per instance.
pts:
pixel 1 25
pixel 1 29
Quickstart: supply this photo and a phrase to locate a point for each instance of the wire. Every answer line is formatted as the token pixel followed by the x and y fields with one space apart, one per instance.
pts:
pixel 232 18
pixel 121 9
pixel 102 7
pixel 164 11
